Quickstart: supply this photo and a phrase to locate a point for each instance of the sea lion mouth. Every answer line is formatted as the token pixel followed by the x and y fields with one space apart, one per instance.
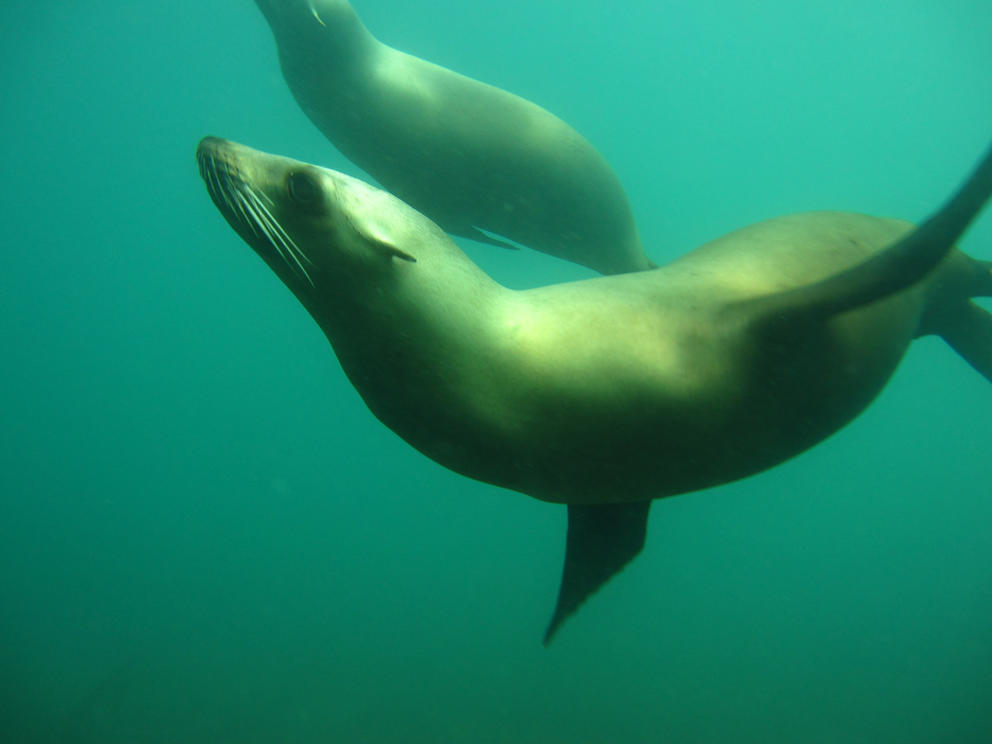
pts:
pixel 245 207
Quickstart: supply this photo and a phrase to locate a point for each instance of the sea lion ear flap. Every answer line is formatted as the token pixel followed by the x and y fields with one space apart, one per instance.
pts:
pixel 389 250
pixel 393 252
pixel 380 241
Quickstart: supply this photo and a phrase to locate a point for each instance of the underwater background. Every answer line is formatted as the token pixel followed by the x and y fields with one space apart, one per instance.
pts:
pixel 206 537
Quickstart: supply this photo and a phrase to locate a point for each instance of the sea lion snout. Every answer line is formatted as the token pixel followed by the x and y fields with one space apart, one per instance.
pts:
pixel 221 152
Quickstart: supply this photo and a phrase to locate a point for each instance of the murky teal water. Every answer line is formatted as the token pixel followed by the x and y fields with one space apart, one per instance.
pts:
pixel 205 537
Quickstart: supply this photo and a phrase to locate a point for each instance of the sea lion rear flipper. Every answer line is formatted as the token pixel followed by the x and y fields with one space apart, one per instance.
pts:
pixel 894 269
pixel 968 330
pixel 602 539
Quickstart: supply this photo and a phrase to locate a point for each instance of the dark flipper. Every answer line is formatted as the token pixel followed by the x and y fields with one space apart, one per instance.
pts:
pixel 968 330
pixel 602 539
pixel 894 269
pixel 474 233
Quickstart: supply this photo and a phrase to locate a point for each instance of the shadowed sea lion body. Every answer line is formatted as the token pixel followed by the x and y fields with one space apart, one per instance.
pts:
pixel 479 161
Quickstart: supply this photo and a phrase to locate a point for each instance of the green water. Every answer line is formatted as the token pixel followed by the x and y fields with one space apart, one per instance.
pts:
pixel 206 537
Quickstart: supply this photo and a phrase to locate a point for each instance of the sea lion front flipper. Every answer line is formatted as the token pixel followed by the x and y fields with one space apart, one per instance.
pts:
pixel 896 268
pixel 602 539
pixel 474 233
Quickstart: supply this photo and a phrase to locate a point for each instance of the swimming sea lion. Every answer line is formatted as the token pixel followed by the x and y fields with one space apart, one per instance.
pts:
pixel 471 157
pixel 607 393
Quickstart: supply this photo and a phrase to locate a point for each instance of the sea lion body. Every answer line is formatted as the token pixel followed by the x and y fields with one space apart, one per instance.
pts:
pixel 617 389
pixel 637 387
pixel 659 390
pixel 474 158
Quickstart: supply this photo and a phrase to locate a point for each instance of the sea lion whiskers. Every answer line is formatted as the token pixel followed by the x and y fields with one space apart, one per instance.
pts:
pixel 249 217
pixel 273 230
pixel 209 174
pixel 236 205
pixel 221 191
pixel 243 201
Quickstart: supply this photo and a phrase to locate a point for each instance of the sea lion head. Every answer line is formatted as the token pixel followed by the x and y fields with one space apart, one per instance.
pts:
pixel 404 308
pixel 329 237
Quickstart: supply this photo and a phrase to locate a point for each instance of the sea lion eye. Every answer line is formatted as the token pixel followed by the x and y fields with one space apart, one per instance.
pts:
pixel 302 187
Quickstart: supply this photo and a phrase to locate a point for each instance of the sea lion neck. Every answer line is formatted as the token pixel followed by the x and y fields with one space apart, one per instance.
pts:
pixel 443 301
pixel 417 348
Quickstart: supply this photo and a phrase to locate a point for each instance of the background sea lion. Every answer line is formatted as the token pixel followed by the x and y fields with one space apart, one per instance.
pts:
pixel 607 393
pixel 471 157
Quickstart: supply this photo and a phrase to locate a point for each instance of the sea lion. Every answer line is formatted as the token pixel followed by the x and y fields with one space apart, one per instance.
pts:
pixel 473 158
pixel 607 393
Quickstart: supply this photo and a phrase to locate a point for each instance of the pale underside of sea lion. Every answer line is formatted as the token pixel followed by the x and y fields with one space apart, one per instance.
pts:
pixel 607 393
pixel 479 161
